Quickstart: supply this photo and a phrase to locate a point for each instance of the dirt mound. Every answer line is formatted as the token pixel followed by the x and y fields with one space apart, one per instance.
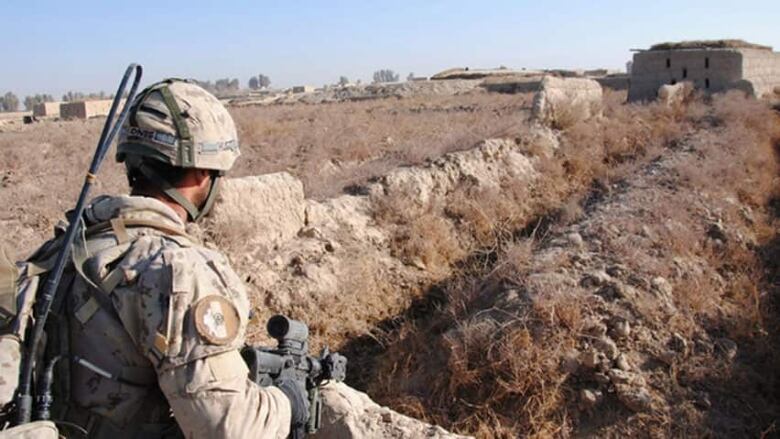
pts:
pixel 349 413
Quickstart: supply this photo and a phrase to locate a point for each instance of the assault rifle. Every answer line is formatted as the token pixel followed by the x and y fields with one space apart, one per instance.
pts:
pixel 292 353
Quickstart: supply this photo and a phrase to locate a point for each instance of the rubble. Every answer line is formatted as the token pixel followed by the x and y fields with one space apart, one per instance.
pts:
pixel 349 413
pixel 677 94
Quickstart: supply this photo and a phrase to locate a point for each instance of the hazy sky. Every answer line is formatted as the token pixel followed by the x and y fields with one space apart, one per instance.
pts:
pixel 55 46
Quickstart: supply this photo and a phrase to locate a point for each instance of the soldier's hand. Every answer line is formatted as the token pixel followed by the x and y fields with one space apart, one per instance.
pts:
pixel 295 389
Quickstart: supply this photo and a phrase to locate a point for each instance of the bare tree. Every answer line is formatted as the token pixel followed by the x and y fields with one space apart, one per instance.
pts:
pixel 9 102
pixel 263 80
pixel 385 75
pixel 31 101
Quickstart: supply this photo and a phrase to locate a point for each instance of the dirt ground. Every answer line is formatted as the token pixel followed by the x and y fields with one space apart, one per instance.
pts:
pixel 615 278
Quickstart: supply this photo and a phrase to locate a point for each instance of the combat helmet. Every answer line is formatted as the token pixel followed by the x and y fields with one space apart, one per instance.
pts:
pixel 180 124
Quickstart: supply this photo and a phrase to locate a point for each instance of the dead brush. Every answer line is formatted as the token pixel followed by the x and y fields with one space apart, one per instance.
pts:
pixel 494 372
pixel 512 362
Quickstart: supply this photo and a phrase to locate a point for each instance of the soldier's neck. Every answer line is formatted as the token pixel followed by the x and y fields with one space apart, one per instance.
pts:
pixel 180 211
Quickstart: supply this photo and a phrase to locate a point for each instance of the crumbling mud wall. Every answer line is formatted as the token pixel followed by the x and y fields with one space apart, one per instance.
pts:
pixel 563 102
pixel 761 69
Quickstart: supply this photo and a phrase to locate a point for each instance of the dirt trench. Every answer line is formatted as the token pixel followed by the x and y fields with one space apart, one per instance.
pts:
pixel 652 314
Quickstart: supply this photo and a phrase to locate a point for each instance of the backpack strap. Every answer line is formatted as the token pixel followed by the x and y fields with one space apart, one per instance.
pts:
pixel 80 254
pixel 8 275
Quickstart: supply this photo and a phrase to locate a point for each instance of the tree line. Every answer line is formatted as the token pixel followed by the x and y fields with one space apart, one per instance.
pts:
pixel 10 102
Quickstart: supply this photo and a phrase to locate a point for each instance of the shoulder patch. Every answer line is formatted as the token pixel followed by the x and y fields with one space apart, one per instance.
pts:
pixel 217 320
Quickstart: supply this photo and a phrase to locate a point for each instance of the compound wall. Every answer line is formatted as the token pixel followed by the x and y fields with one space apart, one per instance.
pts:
pixel 762 69
pixel 711 70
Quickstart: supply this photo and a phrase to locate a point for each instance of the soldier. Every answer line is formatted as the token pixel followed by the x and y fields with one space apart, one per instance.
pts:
pixel 149 332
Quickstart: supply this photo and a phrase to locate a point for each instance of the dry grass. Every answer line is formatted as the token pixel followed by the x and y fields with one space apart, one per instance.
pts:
pixel 479 367
pixel 329 147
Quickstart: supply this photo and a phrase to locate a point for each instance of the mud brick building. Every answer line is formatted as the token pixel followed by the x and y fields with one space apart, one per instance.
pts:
pixel 84 109
pixel 712 66
pixel 46 109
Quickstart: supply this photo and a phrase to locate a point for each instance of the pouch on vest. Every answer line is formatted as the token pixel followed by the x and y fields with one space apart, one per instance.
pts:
pixel 32 430
pixel 18 286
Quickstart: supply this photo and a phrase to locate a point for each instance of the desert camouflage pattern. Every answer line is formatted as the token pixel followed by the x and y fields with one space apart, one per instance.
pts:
pixel 151 131
pixel 32 430
pixel 10 362
pixel 165 357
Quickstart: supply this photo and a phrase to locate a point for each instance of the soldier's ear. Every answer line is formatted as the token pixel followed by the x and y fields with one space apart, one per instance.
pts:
pixel 198 177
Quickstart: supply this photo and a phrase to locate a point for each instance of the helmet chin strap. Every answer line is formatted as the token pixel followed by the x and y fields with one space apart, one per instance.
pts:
pixel 193 213
pixel 212 196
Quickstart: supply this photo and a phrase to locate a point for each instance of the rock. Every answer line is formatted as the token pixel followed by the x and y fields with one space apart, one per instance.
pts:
pixel 597 329
pixel 679 344
pixel 637 399
pixel 617 376
pixel 591 359
pixel 617 270
pixel 562 102
pixel 617 290
pixel 417 262
pixel 662 286
pixel 727 347
pixel 622 363
pixel 608 347
pixel 348 413
pixel 595 278
pixel 268 210
pixel 621 329
pixel 677 94
pixel 663 290
pixel 590 398
pixel 575 239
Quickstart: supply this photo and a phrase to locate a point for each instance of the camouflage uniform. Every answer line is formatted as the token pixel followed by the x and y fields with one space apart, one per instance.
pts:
pixel 162 351
pixel 152 324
